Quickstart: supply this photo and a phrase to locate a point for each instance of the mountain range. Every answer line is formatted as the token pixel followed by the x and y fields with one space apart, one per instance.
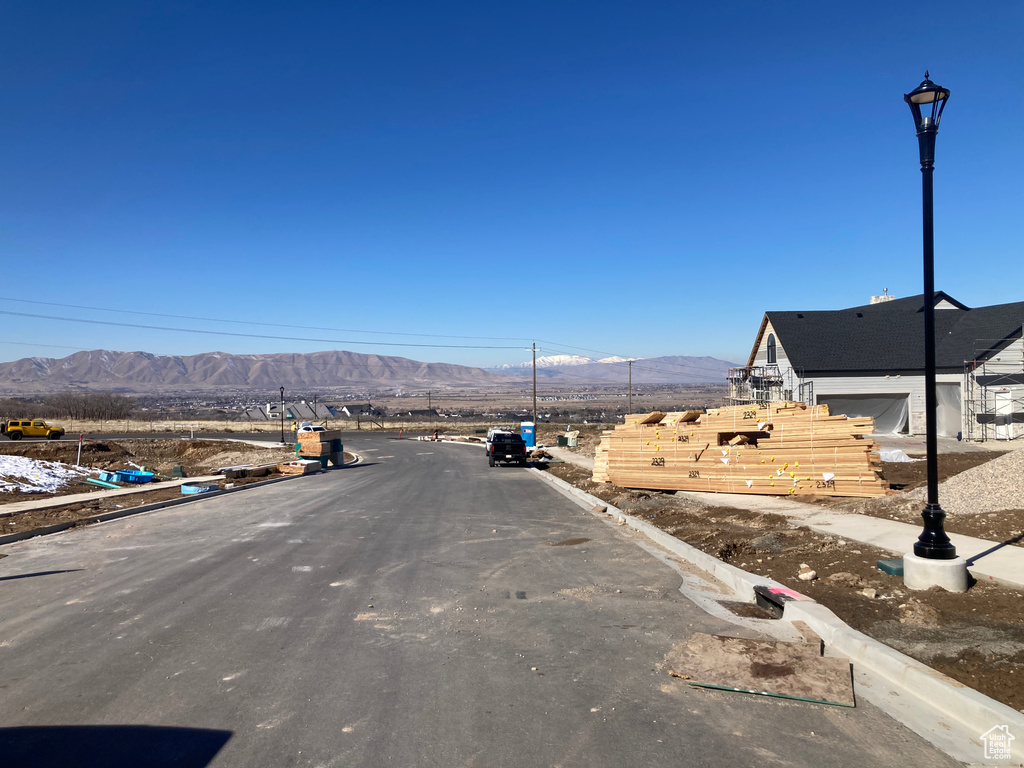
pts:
pixel 670 369
pixel 146 372
pixel 143 372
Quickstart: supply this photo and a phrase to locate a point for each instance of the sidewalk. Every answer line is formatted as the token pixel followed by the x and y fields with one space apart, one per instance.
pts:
pixel 75 498
pixel 570 457
pixel 986 560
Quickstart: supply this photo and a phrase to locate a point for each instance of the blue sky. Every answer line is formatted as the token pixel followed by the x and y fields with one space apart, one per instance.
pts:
pixel 639 179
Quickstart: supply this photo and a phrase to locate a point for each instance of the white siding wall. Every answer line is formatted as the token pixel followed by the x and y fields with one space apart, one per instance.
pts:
pixel 911 386
pixel 781 358
pixel 1013 354
pixel 1009 360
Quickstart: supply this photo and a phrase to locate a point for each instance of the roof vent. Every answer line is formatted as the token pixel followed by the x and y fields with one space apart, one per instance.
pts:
pixel 860 314
pixel 883 298
pixel 799 316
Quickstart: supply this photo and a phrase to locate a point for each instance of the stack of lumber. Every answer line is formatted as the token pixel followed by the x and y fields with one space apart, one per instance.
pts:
pixel 321 446
pixel 779 449
pixel 300 467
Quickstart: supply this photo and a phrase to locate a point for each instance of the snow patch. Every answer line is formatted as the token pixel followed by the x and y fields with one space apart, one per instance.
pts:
pixel 19 474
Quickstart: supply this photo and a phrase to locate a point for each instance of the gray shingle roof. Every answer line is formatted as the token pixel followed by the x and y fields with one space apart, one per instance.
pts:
pixel 889 336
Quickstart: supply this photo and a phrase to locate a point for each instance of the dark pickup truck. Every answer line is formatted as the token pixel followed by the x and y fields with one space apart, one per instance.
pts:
pixel 506 447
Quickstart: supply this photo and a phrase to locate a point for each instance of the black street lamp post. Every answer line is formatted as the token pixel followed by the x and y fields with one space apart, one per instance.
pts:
pixel 933 544
pixel 281 414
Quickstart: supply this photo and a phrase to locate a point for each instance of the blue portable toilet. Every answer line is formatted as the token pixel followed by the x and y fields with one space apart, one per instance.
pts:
pixel 526 430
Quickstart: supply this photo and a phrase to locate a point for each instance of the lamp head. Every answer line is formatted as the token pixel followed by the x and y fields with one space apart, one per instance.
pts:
pixel 926 104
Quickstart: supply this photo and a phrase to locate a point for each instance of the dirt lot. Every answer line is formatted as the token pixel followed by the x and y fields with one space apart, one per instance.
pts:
pixel 198 457
pixel 976 638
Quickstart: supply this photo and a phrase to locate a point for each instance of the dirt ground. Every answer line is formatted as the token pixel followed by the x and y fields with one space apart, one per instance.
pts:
pixel 198 457
pixel 976 638
pixel 589 437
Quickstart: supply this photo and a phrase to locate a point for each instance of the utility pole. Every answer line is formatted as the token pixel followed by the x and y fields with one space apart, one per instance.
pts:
pixel 629 397
pixel 281 414
pixel 535 386
pixel 428 400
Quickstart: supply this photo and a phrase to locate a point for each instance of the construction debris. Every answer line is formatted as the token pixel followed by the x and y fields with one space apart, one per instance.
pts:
pixel 807 573
pixel 187 490
pixel 780 449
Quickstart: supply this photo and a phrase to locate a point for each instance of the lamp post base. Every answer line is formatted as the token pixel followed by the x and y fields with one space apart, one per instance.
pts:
pixel 920 573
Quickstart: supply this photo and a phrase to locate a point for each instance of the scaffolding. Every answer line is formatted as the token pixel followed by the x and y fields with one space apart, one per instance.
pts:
pixel 762 384
pixel 993 400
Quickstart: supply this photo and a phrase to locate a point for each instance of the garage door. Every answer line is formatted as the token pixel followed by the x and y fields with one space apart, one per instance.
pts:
pixel 947 409
pixel 890 412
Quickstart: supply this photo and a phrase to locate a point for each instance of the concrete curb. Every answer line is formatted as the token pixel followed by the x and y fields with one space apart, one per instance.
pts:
pixel 11 538
pixel 944 698
pixel 975 712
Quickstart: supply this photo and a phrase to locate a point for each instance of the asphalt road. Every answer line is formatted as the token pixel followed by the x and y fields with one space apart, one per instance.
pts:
pixel 421 609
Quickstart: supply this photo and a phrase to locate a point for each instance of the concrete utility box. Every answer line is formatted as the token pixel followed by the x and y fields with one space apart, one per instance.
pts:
pixel 526 430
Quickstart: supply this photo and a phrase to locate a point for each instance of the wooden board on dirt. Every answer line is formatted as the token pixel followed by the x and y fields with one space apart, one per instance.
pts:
pixel 765 667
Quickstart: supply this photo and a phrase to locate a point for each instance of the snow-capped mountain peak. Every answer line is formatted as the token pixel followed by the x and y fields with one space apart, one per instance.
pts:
pixel 549 361
pixel 554 361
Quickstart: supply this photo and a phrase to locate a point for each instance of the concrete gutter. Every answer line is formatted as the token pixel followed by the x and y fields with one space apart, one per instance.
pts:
pixel 947 713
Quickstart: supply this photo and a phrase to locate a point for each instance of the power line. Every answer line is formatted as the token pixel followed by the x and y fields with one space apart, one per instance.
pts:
pixel 249 335
pixel 268 325
pixel 555 346
pixel 33 344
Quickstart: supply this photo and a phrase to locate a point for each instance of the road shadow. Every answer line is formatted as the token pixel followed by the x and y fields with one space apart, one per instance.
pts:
pixel 109 746
pixel 38 573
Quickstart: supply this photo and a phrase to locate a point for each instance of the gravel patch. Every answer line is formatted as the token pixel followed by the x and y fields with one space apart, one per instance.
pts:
pixel 991 487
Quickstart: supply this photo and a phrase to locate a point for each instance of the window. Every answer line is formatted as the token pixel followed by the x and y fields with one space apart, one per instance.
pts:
pixel 771 349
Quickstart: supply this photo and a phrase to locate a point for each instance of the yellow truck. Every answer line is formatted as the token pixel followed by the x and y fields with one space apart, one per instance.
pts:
pixel 19 428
